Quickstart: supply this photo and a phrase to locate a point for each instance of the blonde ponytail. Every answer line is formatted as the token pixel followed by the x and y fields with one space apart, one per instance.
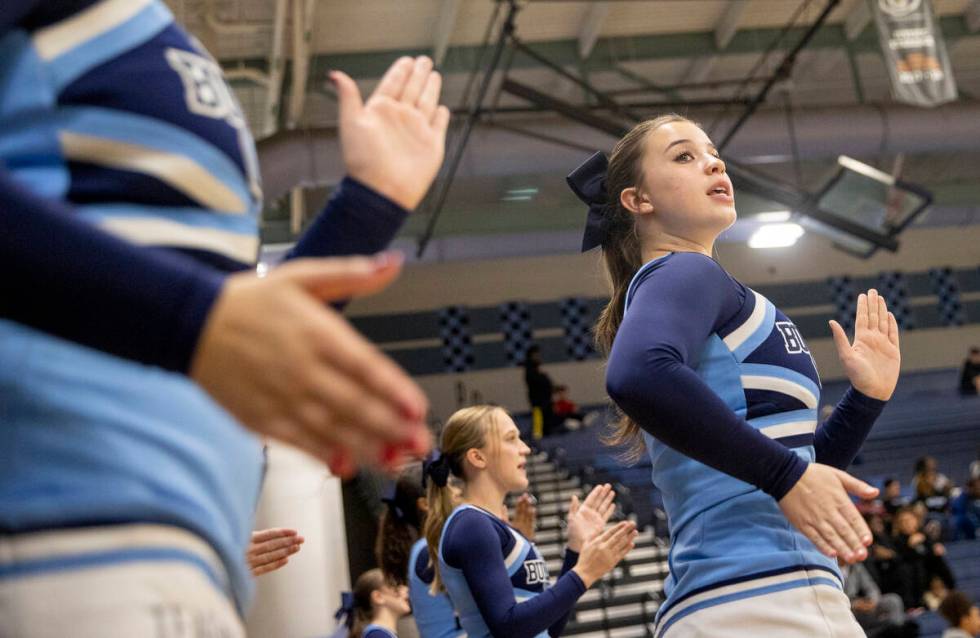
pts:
pixel 466 429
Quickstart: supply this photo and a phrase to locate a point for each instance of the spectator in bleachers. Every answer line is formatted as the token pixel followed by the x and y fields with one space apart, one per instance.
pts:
pixel 918 559
pixel 966 510
pixel 892 498
pixel 870 506
pixel 936 593
pixel 962 615
pixel 882 562
pixel 928 481
pixel 975 466
pixel 970 377
pixel 933 490
pixel 880 615
pixel 539 392
pixel 566 411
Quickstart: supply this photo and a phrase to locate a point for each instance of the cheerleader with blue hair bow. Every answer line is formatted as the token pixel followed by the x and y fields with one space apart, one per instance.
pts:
pixel 372 610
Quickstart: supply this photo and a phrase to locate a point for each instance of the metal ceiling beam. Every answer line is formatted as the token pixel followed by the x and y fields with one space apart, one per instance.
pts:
pixel 784 71
pixel 821 65
pixel 727 25
pixel 700 68
pixel 444 29
pixel 303 15
pixel 445 180
pixel 270 116
pixel 857 20
pixel 591 27
pixel 312 156
pixel 743 178
pixel 608 52
pixel 973 16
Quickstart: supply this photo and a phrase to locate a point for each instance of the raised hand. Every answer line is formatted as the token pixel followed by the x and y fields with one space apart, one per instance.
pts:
pixel 588 519
pixel 270 549
pixel 395 142
pixel 603 552
pixel 873 361
pixel 303 375
pixel 819 506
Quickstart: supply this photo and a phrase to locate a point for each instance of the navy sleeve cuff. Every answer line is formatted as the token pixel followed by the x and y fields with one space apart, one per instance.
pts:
pixel 570 560
pixel 839 439
pixel 858 399
pixel 784 481
pixel 356 221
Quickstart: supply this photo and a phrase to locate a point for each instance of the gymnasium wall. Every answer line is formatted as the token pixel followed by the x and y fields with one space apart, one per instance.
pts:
pixel 809 281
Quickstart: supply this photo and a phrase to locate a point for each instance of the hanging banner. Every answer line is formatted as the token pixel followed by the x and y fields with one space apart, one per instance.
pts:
pixel 914 52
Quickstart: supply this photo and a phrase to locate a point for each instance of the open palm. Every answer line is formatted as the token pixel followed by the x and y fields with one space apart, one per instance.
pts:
pixel 588 519
pixel 873 361
pixel 395 142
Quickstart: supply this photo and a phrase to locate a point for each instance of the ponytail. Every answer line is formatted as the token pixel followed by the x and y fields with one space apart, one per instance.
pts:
pixel 362 612
pixel 623 257
pixel 465 429
pixel 399 526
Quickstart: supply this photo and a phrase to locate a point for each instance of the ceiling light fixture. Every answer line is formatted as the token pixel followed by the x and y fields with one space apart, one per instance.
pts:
pixel 776 236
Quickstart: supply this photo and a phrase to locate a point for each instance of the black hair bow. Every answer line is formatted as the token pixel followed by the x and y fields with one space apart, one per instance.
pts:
pixel 438 468
pixel 588 182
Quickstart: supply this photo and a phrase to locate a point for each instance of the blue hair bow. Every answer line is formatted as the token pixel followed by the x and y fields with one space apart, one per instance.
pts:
pixel 389 496
pixel 588 182
pixel 345 613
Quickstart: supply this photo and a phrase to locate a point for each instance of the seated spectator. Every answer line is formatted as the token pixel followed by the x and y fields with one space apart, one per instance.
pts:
pixel 918 560
pixel 882 562
pixel 966 510
pixel 880 615
pixel 975 466
pixel 563 406
pixel 962 615
pixel 870 507
pixel 932 489
pixel 936 594
pixel 970 377
pixel 892 498
pixel 928 481
pixel 566 411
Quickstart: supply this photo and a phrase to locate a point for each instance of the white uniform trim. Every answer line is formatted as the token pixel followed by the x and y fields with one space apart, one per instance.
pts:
pixel 162 232
pixel 790 429
pixel 738 336
pixel 783 386
pixel 97 19
pixel 744 586
pixel 177 171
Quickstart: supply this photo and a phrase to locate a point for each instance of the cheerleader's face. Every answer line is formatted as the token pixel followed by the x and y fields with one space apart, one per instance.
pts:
pixel 907 523
pixel 972 621
pixel 685 191
pixel 508 454
pixel 395 599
